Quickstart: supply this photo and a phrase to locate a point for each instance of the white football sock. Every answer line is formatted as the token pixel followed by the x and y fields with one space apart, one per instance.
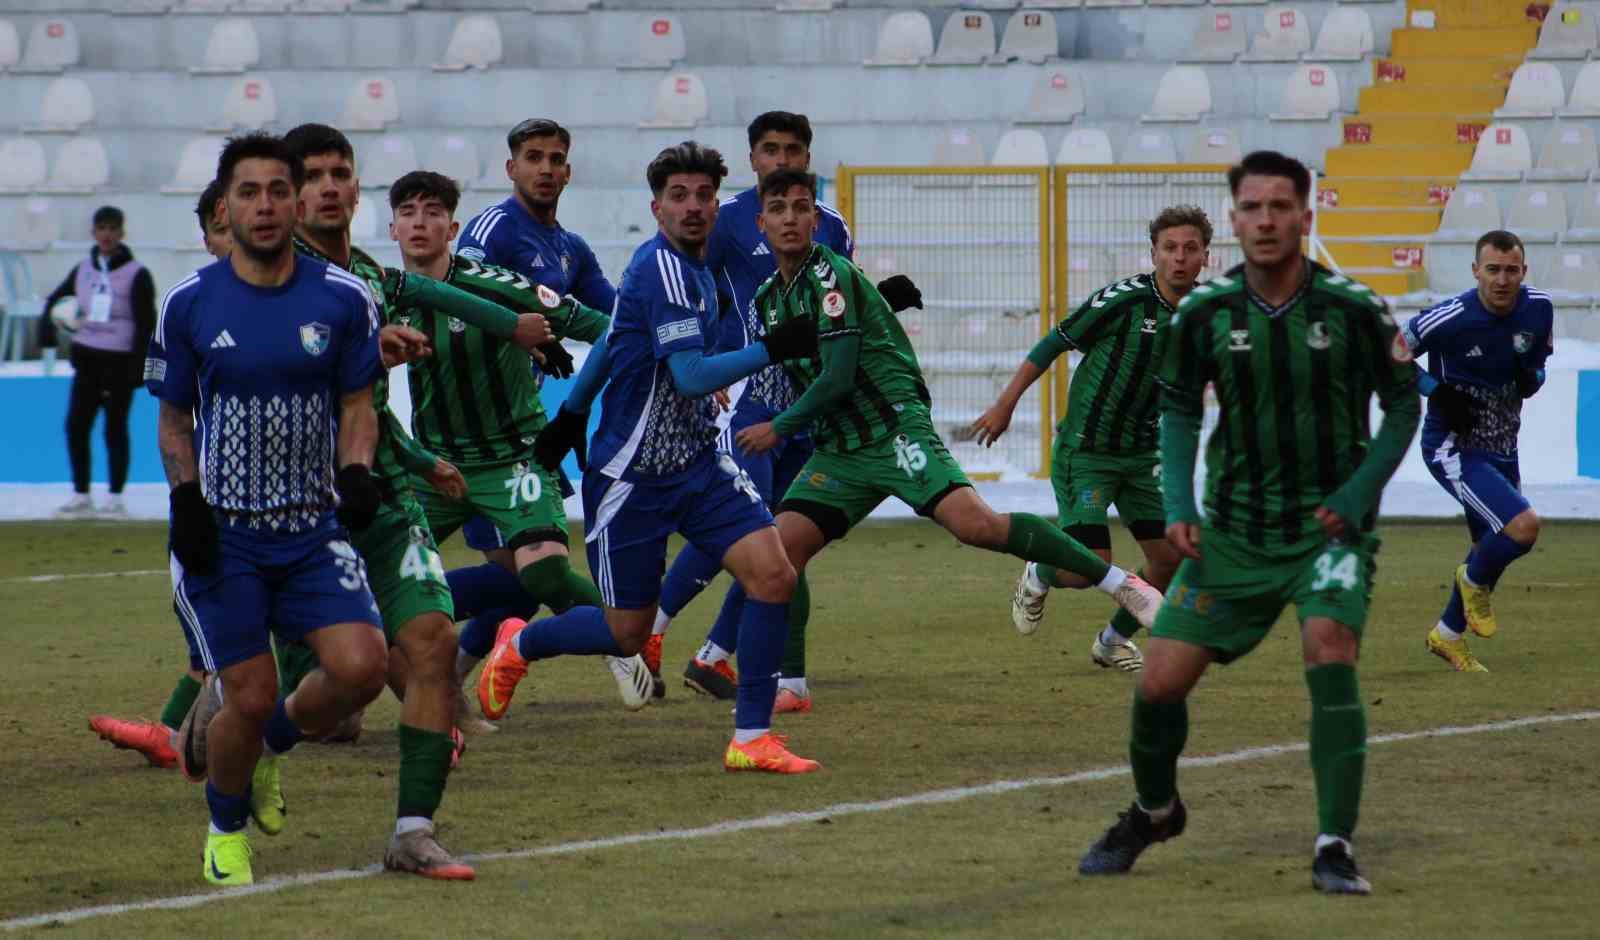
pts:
pixel 1113 580
pixel 1447 633
pixel 1031 572
pixel 1324 840
pixel 711 654
pixel 1159 816
pixel 1110 637
pixel 796 685
pixel 746 735
pixel 407 824
pixel 663 621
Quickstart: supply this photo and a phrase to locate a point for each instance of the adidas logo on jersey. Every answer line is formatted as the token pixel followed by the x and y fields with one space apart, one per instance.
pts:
pixel 538 261
pixel 1474 351
pixel 223 341
pixel 761 249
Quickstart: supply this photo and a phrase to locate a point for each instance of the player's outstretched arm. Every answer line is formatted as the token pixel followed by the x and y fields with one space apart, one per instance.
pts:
pixel 994 422
pixel 527 330
pixel 696 374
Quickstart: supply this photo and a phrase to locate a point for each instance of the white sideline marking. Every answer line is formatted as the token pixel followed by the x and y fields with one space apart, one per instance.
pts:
pixel 774 821
pixel 45 578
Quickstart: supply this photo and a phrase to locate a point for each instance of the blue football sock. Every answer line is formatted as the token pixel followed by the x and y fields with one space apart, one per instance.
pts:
pixel 581 631
pixel 477 637
pixel 725 630
pixel 281 733
pixel 484 587
pixel 763 633
pixel 1455 616
pixel 691 573
pixel 1495 553
pixel 228 813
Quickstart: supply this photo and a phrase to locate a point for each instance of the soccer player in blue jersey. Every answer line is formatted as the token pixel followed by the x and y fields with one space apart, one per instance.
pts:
pixel 1486 352
pixel 276 356
pixel 654 468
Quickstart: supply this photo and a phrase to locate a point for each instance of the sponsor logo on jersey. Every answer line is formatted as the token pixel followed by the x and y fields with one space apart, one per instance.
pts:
pixel 1317 336
pixel 1398 350
pixel 155 370
pixel 314 337
pixel 1522 342
pixel 761 249
pixel 1149 325
pixel 537 262
pixel 1474 352
pixel 825 274
pixel 548 297
pixel 833 304
pixel 676 330
pixel 1239 340
pixel 476 254
pixel 456 326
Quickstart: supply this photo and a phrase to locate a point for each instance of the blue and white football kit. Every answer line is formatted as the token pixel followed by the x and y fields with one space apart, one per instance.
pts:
pixel 506 235
pixel 264 369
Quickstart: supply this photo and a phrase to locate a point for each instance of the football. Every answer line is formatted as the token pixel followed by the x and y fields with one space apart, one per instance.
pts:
pixel 64 314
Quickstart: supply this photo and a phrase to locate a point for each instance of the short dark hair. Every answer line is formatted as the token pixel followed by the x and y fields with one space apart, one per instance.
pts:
pixel 1175 216
pixel 1501 240
pixel 206 209
pixel 427 184
pixel 312 140
pixel 537 127
pixel 687 157
pixel 258 145
pixel 782 121
pixel 781 181
pixel 108 215
pixel 1272 163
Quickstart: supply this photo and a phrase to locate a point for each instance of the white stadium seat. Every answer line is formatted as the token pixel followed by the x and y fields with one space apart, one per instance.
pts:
pixel 1346 36
pixel 81 166
pixel 1585 98
pixel 1586 219
pixel 233 46
pixel 66 107
pixel 1285 35
pixel 475 43
pixel 1568 153
pixel 1471 211
pixel 22 165
pixel 1030 36
pixel 1536 91
pixel 1085 146
pixel 1184 94
pixel 371 105
pixel 905 38
pixel 251 104
pixel 197 165
pixel 1149 146
pixel 958 147
pixel 1020 147
pixel 1572 275
pixel 660 44
pixel 38 223
pixel 1218 37
pixel 967 39
pixel 455 157
pixel 1568 33
pixel 10 46
pixel 1310 94
pixel 1538 213
pixel 1213 145
pixel 680 101
pixel 392 157
pixel 1503 153
pixel 52 46
pixel 1055 98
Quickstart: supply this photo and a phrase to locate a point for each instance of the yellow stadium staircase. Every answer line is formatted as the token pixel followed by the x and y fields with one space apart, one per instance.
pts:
pixel 1414 133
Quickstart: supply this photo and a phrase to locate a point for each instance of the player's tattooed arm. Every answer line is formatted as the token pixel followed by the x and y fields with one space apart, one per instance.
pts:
pixel 175 439
pixel 358 428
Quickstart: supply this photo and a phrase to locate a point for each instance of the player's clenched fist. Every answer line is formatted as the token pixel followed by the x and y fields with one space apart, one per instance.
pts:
pixel 194 529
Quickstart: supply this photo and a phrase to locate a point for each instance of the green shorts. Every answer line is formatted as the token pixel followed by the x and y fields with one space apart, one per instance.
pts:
pixel 1229 599
pixel 1088 484
pixel 404 569
pixel 836 491
pixel 522 499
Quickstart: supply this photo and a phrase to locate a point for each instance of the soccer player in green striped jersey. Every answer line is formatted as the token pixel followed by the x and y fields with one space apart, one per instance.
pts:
pixel 1105 451
pixel 865 404
pixel 1294 474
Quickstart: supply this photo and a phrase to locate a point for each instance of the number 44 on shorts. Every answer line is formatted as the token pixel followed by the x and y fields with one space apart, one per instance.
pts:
pixel 1336 567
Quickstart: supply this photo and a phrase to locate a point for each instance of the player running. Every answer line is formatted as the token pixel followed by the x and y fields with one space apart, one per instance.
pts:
pixel 1486 353
pixel 655 468
pixel 277 354
pixel 1105 452
pixel 154 739
pixel 1293 478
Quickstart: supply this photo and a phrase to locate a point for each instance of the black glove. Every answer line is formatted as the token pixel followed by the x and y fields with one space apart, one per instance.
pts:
pixel 194 529
pixel 358 496
pixel 1456 407
pixel 792 339
pixel 900 292
pixel 566 431
pixel 1529 381
pixel 557 362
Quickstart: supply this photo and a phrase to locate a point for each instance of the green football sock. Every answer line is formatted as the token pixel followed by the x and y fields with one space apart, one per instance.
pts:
pixel 1159 733
pixel 1034 539
pixel 794 652
pixel 552 582
pixel 424 765
pixel 183 696
pixel 1338 746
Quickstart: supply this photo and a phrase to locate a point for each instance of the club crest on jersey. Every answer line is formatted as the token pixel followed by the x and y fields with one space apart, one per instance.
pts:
pixel 1317 336
pixel 1238 340
pixel 548 297
pixel 404 320
pixel 1398 350
pixel 833 304
pixel 314 337
pixel 456 326
pixel 1149 325
pixel 1522 342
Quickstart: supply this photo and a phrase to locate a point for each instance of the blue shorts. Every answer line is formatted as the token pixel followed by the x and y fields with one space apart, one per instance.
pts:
pixel 292 585
pixel 1488 486
pixel 714 505
pixel 482 535
pixel 772 471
